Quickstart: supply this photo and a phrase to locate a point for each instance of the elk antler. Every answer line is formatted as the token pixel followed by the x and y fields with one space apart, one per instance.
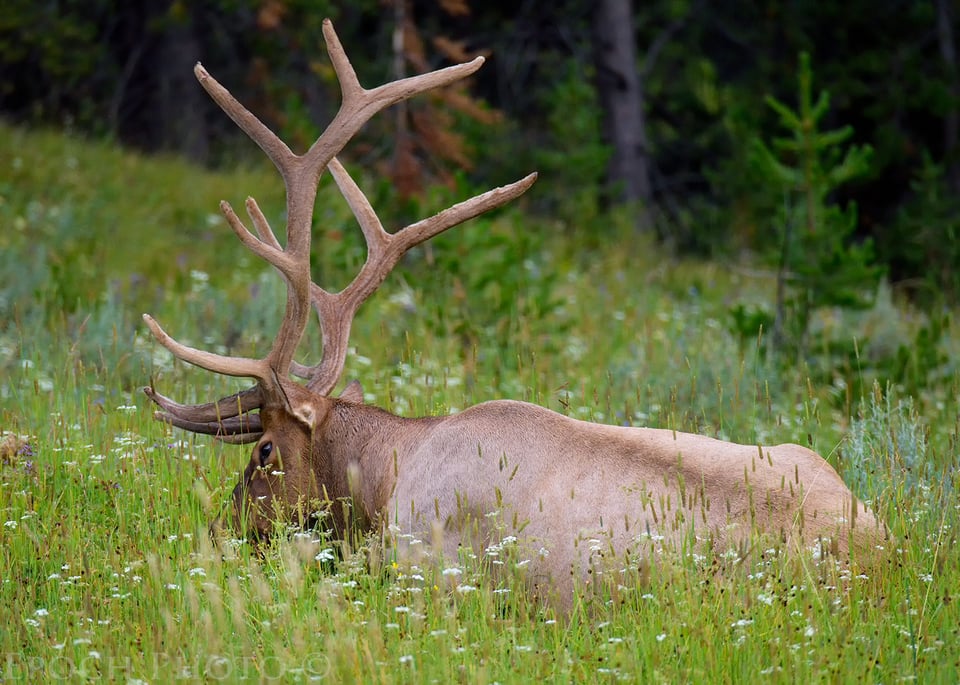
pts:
pixel 230 418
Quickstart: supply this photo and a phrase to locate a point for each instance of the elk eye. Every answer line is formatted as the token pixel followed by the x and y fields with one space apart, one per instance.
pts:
pixel 266 449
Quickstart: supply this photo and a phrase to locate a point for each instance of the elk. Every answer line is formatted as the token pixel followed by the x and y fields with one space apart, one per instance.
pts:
pixel 576 492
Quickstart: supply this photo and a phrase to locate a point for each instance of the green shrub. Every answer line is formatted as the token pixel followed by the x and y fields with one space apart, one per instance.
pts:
pixel 925 237
pixel 819 262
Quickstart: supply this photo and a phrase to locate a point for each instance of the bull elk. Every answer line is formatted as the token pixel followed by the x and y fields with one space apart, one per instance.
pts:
pixel 577 492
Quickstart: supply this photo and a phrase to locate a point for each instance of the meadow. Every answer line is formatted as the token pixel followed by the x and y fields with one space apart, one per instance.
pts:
pixel 107 571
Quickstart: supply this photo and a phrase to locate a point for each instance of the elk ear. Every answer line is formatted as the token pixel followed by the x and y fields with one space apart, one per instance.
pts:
pixel 306 413
pixel 352 393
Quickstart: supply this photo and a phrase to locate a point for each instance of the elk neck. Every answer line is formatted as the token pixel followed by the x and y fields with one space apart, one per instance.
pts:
pixel 359 449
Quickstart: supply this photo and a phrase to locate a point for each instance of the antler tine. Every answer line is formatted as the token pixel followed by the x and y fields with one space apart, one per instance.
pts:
pixel 229 419
pixel 414 234
pixel 226 408
pixel 384 250
pixel 360 104
pixel 267 140
pixel 238 430
pixel 227 366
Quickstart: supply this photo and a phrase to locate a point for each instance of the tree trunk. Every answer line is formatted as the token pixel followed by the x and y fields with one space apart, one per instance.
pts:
pixel 182 101
pixel 951 122
pixel 620 89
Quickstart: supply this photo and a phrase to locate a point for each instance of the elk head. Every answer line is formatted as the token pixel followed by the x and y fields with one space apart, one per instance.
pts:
pixel 278 414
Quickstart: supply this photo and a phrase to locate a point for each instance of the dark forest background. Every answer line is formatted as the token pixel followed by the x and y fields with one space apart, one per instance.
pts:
pixel 686 114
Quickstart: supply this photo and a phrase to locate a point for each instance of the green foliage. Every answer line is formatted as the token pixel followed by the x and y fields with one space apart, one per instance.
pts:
pixel 887 447
pixel 52 58
pixel 573 155
pixel 106 567
pixel 925 239
pixel 819 262
pixel 889 461
pixel 922 360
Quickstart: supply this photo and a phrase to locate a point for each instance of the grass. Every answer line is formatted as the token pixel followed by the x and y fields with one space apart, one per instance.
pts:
pixel 106 568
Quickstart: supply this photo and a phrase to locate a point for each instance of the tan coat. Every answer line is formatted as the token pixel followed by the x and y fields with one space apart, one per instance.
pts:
pixel 574 493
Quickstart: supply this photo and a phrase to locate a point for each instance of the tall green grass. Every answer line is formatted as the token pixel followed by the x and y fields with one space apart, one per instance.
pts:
pixel 107 572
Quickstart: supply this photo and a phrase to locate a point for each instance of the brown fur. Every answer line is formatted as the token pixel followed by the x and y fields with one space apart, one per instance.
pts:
pixel 578 491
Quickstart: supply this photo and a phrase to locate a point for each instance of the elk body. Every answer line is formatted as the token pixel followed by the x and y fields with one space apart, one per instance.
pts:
pixel 576 494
